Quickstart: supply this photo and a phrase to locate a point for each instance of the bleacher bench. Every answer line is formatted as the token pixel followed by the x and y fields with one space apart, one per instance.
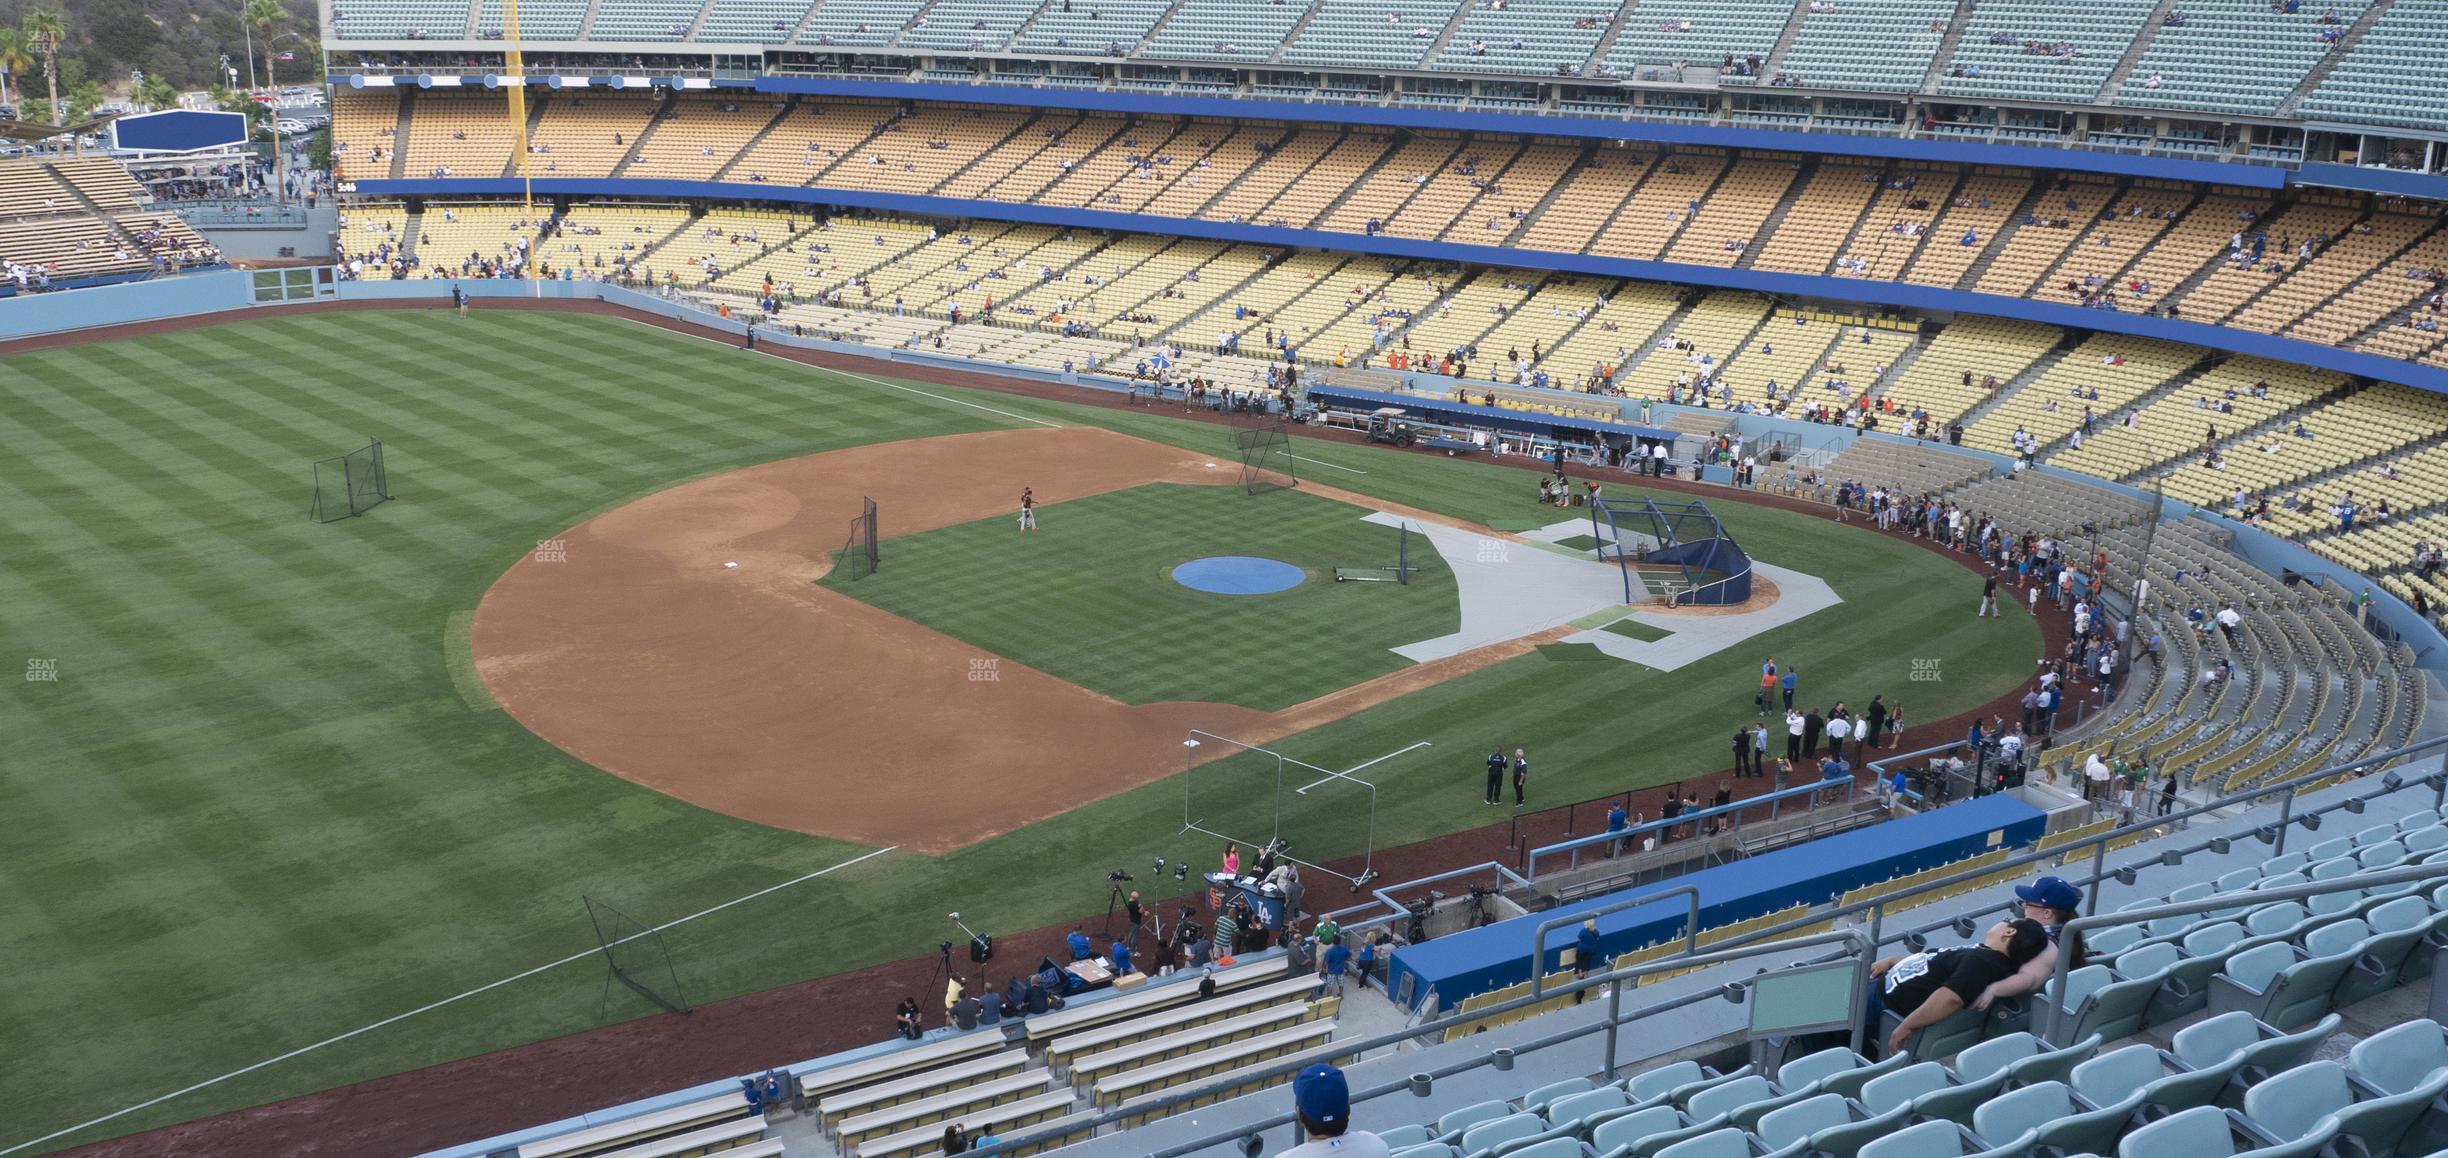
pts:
pixel 836 1107
pixel 1222 1059
pixel 1045 1027
pixel 1007 1118
pixel 1227 1086
pixel 818 1082
pixel 1086 1068
pixel 940 1108
pixel 1217 1008
pixel 644 1128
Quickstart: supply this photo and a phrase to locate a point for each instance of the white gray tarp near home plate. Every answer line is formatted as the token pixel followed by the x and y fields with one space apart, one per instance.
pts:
pixel 1511 589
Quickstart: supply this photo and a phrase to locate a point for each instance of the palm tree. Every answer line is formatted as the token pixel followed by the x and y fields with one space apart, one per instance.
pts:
pixel 44 29
pixel 259 17
pixel 14 59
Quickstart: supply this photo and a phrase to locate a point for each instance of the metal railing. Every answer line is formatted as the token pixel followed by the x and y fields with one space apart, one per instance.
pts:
pixel 1846 790
pixel 2056 1014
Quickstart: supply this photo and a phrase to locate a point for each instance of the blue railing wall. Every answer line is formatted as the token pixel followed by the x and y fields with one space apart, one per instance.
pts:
pixel 1921 298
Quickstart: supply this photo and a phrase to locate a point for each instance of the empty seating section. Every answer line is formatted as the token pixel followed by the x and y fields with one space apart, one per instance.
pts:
pixel 1497 212
pixel 449 137
pixel 966 25
pixel 2375 421
pixel 2388 76
pixel 1279 164
pixel 1947 379
pixel 1386 34
pixel 1807 242
pixel 2218 297
pixel 2120 369
pixel 1452 191
pixel 1533 37
pixel 2420 482
pixel 1030 159
pixel 586 136
pixel 2232 56
pixel 2130 227
pixel 2176 424
pixel 1231 30
pixel 1661 32
pixel 1883 45
pixel 1715 327
pixel 751 21
pixel 695 139
pixel 1899 220
pixel 857 23
pixel 363 133
pixel 538 19
pixel 2039 238
pixel 1090 27
pixel 1786 353
pixel 1587 200
pixel 2391 287
pixel 2156 274
pixel 916 153
pixel 70 247
pixel 810 139
pixel 1377 194
pixel 642 20
pixel 1968 226
pixel 2363 248
pixel 399 19
pixel 1616 331
pixel 1649 220
pixel 2042 49
pixel 602 237
pixel 1729 220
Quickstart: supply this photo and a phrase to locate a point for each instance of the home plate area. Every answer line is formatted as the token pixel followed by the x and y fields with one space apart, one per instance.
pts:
pixel 1512 586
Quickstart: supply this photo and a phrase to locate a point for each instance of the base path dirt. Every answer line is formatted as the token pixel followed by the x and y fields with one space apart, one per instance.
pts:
pixel 681 642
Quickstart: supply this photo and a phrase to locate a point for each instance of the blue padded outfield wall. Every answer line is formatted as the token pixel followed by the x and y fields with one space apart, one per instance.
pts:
pixel 1926 299
pixel 1468 963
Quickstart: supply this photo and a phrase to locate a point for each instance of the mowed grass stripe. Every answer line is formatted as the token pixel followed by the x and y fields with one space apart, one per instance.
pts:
pixel 446 905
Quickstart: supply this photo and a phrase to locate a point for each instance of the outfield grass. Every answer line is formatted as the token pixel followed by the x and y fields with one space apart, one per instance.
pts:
pixel 1095 602
pixel 255 810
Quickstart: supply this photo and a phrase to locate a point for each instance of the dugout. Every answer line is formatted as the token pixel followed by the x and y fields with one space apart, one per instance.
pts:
pixel 1351 406
pixel 1465 964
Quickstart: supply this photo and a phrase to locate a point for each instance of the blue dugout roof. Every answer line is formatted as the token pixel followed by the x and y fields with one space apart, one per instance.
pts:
pixel 1430 408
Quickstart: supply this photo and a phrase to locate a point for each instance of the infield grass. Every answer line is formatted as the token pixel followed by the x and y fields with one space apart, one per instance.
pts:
pixel 255 810
pixel 1092 599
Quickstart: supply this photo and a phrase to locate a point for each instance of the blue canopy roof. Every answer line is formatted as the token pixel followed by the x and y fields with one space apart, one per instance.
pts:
pixel 1429 408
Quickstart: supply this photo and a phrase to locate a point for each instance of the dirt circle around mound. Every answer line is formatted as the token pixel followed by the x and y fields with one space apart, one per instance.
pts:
pixel 681 642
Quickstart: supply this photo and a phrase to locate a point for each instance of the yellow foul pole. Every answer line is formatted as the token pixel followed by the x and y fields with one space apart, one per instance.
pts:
pixel 514 76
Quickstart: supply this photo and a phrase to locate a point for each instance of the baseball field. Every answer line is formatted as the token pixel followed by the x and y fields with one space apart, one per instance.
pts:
pixel 271 781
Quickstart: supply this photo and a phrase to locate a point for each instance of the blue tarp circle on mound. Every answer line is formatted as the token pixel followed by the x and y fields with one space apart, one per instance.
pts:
pixel 1237 575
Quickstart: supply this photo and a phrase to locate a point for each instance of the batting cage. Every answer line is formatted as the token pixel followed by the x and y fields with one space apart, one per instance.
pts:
pixel 858 555
pixel 351 484
pixel 1264 442
pixel 1253 796
pixel 1675 551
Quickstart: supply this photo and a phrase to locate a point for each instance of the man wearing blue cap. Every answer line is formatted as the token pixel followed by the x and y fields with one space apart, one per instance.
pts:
pixel 1323 1102
pixel 2052 901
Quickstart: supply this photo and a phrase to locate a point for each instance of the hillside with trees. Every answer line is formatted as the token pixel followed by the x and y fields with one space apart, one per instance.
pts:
pixel 176 44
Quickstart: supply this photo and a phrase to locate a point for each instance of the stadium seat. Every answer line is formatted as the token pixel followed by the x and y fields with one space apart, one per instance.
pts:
pixel 2185 987
pixel 1617 1137
pixel 2050 1114
pixel 1430 1150
pixel 1537 1099
pixel 1451 1126
pixel 1727 1143
pixel 2255 1049
pixel 2395 926
pixel 2116 1009
pixel 1485 1137
pixel 1559 1148
pixel 1575 1109
pixel 2116 939
pixel 1899 1089
pixel 2154 1076
pixel 2278 983
pixel 1850 1082
pixel 1928 1140
pixel 2316 1099
pixel 2402 1057
pixel 1673 1081
pixel 2210 1132
pixel 1786 1125
pixel 1404 1137
pixel 1846 1141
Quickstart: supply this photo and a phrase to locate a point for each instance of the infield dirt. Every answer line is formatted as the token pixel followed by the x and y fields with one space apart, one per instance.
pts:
pixel 680 642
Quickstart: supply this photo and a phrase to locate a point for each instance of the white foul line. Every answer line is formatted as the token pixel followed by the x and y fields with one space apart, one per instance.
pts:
pixel 1336 465
pixel 369 1028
